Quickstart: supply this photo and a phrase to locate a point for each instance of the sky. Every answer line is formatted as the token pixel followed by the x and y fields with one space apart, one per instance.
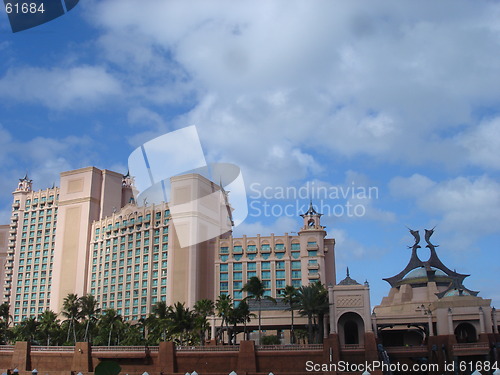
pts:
pixel 389 112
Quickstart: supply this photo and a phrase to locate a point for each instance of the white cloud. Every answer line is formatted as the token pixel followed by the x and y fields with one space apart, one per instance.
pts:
pixel 466 209
pixel 43 158
pixel 410 187
pixel 482 144
pixel 59 88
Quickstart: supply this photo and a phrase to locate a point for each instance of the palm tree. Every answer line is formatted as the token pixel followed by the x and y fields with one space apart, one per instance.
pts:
pixel 239 314
pixel 5 322
pixel 181 321
pixel 223 305
pixel 313 303
pixel 89 312
pixel 26 330
pixel 108 322
pixel 71 311
pixel 255 289
pixel 159 319
pixel 289 295
pixel 203 308
pixel 48 325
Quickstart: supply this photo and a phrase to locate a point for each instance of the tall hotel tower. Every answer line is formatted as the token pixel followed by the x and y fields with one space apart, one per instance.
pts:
pixel 89 236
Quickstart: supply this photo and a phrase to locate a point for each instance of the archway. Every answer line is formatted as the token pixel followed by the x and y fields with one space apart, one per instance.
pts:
pixel 351 329
pixel 465 333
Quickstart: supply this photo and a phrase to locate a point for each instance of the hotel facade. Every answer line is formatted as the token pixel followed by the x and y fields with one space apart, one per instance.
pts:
pixel 90 236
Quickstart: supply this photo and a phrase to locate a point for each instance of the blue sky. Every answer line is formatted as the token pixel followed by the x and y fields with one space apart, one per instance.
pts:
pixel 401 96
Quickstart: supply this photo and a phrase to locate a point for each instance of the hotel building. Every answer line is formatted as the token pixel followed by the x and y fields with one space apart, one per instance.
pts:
pixel 90 236
pixel 104 244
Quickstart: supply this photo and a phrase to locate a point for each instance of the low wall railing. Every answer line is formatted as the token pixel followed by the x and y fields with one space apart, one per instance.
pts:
pixel 66 349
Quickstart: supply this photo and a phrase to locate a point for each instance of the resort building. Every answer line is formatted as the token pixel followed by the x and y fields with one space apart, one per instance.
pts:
pixel 90 236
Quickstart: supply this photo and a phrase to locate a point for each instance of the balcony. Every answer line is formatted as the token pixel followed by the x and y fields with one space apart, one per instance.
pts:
pixel 313 266
pixel 313 275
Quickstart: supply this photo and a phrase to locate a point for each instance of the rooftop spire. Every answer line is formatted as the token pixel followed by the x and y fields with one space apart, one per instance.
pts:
pixel 311 211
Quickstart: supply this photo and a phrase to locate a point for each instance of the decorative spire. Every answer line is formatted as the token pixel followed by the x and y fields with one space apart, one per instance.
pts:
pixel 25 184
pixel 311 211
pixel 348 280
pixel 127 180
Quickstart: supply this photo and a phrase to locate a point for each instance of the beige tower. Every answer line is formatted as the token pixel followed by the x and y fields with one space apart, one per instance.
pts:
pixel 200 213
pixel 316 249
pixel 4 233
pixel 86 195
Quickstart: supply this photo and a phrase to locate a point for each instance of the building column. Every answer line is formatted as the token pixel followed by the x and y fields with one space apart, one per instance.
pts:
pixel 325 322
pixel 429 322
pixel 450 322
pixel 212 333
pixel 481 321
pixel 374 324
pixel 331 306
pixel 495 320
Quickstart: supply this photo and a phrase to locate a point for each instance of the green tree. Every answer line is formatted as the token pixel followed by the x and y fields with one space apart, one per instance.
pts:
pixel 110 324
pixel 132 334
pixel 26 330
pixel 290 297
pixel 223 306
pixel 89 311
pixel 239 314
pixel 159 321
pixel 5 318
pixel 203 308
pixel 255 290
pixel 181 321
pixel 71 311
pixel 48 327
pixel 313 303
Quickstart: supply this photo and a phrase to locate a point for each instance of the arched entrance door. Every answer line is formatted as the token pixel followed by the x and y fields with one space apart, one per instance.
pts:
pixel 465 332
pixel 351 329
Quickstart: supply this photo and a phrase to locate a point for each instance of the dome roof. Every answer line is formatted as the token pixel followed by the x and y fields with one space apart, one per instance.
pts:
pixel 424 275
pixel 422 272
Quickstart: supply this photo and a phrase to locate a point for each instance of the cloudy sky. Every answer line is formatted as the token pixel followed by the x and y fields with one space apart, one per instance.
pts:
pixel 402 97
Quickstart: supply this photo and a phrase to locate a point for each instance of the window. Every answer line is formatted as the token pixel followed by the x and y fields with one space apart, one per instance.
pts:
pixel 280 274
pixel 266 275
pixel 237 249
pixel 223 267
pixel 295 246
pixel 251 248
pixel 237 266
pixel 251 266
pixel 237 276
